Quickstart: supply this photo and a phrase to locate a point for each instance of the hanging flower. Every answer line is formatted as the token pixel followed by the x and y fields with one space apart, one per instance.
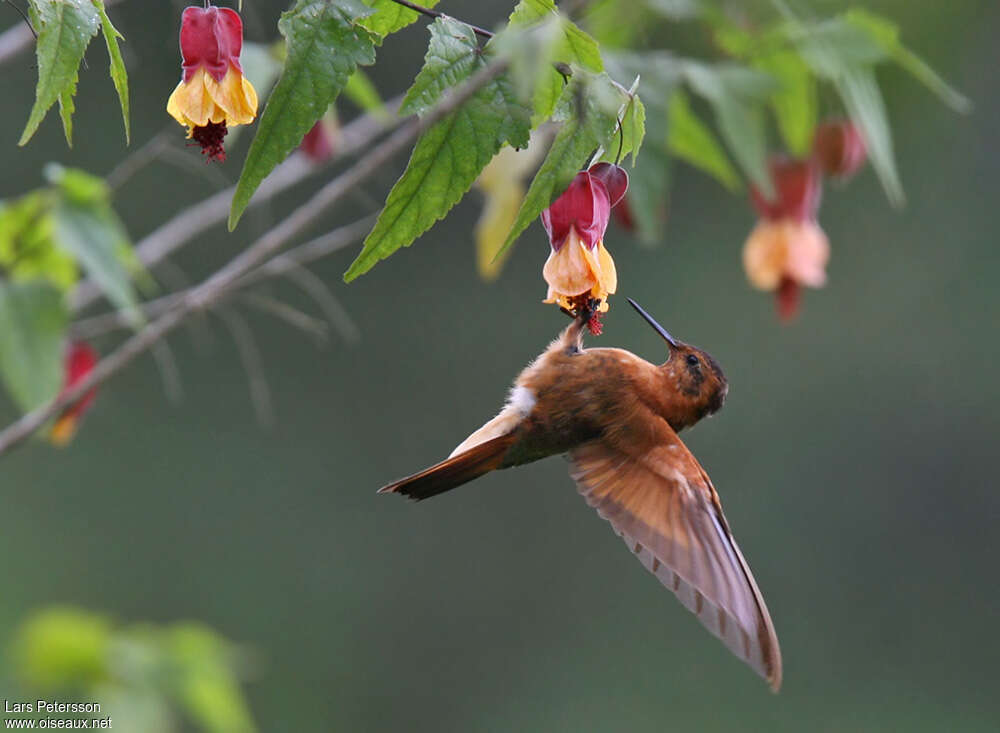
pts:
pixel 80 361
pixel 787 249
pixel 580 272
pixel 212 93
pixel 839 148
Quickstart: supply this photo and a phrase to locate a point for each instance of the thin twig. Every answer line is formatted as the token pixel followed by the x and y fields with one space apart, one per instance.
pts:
pixel 24 15
pixel 315 327
pixel 169 373
pixel 219 284
pixel 246 345
pixel 282 264
pixel 481 32
pixel 136 161
pixel 313 286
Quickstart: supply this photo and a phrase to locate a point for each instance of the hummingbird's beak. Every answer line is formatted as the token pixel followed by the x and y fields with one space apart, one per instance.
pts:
pixel 652 322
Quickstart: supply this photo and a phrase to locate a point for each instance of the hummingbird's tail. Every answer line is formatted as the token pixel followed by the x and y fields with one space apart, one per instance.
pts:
pixel 454 471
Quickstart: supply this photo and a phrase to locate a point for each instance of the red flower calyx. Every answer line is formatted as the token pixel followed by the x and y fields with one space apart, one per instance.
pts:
pixel 797 190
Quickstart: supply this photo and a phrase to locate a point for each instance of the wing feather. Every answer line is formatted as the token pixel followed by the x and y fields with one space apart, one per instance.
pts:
pixel 664 506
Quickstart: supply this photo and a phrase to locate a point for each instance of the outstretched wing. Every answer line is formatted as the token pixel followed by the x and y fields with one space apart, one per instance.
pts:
pixel 664 506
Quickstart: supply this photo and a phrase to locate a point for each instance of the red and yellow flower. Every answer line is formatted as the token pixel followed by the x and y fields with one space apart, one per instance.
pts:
pixel 212 94
pixel 787 249
pixel 80 361
pixel 580 272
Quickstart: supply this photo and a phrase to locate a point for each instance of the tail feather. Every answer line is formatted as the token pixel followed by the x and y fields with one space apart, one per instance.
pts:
pixel 454 471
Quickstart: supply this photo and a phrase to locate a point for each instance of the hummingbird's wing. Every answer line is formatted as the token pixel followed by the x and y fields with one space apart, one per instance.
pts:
pixel 662 503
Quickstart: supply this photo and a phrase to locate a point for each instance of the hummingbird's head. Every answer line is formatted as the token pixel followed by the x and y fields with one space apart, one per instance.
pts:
pixel 697 387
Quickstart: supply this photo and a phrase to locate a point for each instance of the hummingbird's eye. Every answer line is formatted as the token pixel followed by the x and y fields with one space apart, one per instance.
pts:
pixel 692 360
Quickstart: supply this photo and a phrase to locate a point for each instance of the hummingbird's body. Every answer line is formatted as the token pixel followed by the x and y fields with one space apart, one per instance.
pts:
pixel 617 417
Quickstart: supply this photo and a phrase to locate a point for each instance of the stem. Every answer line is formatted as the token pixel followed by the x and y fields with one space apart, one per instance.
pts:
pixel 281 264
pixel 24 15
pixel 218 285
pixel 481 32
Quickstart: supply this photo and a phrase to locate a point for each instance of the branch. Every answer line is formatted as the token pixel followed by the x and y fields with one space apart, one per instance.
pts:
pixel 481 32
pixel 281 264
pixel 218 285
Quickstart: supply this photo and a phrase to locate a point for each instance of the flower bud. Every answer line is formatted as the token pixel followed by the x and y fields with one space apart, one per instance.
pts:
pixel 839 148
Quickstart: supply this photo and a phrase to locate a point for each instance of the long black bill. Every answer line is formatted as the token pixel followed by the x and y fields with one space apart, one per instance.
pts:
pixel 652 322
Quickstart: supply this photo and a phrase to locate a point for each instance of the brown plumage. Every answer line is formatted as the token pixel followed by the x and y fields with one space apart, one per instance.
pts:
pixel 617 418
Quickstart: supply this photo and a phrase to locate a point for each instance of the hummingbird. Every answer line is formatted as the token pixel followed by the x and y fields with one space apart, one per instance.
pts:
pixel 616 416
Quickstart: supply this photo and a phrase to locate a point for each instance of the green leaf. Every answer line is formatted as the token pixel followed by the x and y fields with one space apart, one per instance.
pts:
pixel 390 17
pixel 692 141
pixel 577 47
pixel 87 228
pixel 445 163
pixel 33 321
pixel 735 94
pixel 325 46
pixel 206 684
pixel 865 106
pixel 538 36
pixel 27 249
pixel 677 9
pixel 119 75
pixel 886 34
pixel 360 90
pixel 61 647
pixel 66 110
pixel 452 54
pixel 848 65
pixel 64 28
pixel 531 51
pixel 795 102
pixel 618 23
pixel 590 106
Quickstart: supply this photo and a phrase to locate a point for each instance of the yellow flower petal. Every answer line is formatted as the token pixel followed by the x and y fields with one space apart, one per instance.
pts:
pixel 786 247
pixel 234 96
pixel 808 253
pixel 764 255
pixel 201 100
pixel 607 268
pixel 568 271
pixel 603 268
pixel 190 103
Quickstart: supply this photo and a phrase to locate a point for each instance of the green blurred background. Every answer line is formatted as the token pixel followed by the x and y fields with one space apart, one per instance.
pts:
pixel 854 456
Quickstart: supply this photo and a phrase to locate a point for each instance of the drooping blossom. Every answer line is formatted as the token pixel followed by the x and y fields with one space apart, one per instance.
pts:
pixel 579 271
pixel 787 249
pixel 79 361
pixel 212 95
